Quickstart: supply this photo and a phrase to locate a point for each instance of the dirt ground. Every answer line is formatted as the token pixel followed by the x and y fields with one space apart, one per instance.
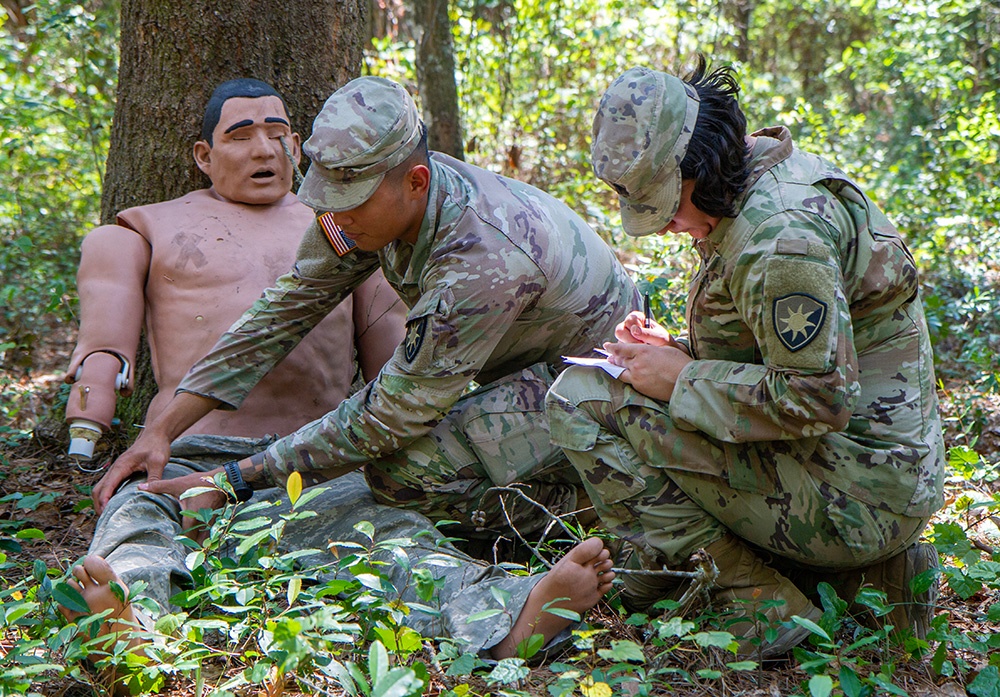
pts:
pixel 41 466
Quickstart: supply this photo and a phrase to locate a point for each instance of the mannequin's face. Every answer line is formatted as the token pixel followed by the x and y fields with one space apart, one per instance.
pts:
pixel 246 162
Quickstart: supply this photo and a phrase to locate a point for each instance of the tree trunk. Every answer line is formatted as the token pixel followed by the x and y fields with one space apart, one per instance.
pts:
pixel 173 54
pixel 436 76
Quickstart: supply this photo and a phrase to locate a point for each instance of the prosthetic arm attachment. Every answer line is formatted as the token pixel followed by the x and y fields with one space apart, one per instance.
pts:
pixel 111 280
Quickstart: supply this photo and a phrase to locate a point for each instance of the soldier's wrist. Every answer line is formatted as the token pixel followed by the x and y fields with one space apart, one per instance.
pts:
pixel 258 475
pixel 242 491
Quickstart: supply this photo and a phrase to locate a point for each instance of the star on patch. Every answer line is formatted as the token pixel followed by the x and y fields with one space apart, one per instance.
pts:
pixel 415 332
pixel 798 319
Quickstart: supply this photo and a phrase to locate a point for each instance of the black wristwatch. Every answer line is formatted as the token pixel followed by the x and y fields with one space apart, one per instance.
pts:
pixel 241 490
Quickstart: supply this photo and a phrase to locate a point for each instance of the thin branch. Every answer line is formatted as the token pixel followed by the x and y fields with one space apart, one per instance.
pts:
pixel 519 492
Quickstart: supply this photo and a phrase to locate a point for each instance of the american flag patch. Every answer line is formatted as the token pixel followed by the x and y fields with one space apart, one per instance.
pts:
pixel 341 244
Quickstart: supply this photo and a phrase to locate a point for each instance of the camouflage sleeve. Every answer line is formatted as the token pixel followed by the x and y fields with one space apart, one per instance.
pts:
pixel 788 287
pixel 277 321
pixel 471 299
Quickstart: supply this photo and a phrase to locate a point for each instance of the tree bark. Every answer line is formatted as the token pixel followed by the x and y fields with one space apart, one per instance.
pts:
pixel 436 76
pixel 173 54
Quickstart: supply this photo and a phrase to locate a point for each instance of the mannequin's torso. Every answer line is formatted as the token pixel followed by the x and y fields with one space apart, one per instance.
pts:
pixel 210 259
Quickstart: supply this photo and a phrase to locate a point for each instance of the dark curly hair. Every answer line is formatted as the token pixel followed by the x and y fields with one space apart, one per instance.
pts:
pixel 718 157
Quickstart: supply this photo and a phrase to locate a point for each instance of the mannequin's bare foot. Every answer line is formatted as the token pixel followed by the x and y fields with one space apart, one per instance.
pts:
pixel 93 578
pixel 582 577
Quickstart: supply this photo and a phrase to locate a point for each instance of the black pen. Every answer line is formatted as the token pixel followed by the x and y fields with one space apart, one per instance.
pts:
pixel 648 322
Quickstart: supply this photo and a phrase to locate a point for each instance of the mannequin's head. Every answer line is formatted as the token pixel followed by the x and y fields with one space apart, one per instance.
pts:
pixel 241 147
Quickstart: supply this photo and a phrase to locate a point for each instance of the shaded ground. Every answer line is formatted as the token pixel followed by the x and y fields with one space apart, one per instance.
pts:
pixel 971 419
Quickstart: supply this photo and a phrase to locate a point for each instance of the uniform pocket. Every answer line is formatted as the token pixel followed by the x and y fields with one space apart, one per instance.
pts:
pixel 612 469
pixel 506 427
pixel 864 533
pixel 748 470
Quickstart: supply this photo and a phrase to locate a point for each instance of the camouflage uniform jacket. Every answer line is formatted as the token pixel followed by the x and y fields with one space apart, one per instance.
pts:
pixel 503 276
pixel 806 325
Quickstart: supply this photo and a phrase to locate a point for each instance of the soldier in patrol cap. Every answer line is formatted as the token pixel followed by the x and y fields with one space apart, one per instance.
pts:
pixel 795 424
pixel 501 279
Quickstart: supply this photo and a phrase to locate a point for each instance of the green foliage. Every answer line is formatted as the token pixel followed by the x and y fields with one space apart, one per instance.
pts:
pixel 902 96
pixel 57 85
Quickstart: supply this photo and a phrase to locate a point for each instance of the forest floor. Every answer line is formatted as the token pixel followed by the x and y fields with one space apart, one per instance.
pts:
pixel 37 466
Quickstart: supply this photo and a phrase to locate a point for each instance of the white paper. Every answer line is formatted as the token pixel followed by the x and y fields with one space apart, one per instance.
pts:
pixel 602 363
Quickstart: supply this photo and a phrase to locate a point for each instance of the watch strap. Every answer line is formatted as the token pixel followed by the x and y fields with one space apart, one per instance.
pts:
pixel 241 490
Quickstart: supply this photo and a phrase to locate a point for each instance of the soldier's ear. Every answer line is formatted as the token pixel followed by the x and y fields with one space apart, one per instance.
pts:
pixel 418 182
pixel 203 157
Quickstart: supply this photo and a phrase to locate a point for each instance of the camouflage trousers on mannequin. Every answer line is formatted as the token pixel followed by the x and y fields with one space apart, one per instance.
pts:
pixel 672 492
pixel 136 534
pixel 495 436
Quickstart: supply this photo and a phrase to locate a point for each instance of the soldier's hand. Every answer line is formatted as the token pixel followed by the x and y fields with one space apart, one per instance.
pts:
pixel 652 370
pixel 148 454
pixel 633 330
pixel 207 499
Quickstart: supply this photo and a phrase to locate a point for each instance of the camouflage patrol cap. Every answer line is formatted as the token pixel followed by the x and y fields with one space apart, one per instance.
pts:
pixel 641 133
pixel 366 128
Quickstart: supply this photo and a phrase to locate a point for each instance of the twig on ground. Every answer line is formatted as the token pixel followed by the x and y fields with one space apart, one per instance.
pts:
pixel 535 549
pixel 550 514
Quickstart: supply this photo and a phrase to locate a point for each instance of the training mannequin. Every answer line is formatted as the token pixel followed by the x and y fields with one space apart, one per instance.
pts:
pixel 186 269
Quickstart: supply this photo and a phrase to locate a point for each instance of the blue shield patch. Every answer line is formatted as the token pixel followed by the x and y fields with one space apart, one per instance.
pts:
pixel 798 319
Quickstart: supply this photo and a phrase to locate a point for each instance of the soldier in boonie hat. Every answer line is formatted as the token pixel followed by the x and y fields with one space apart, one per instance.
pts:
pixel 752 419
pixel 641 134
pixel 365 128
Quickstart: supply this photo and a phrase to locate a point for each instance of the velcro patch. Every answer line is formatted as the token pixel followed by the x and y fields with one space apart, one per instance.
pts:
pixel 798 319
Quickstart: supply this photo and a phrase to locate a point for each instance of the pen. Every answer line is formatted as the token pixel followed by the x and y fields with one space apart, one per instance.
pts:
pixel 648 322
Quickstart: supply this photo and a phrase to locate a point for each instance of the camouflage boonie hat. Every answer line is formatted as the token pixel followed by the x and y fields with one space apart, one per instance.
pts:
pixel 366 128
pixel 641 133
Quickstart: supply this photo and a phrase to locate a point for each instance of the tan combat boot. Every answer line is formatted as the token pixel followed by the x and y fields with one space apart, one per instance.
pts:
pixel 893 576
pixel 743 585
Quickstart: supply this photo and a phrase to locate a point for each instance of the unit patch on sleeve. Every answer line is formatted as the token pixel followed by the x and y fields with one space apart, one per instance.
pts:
pixel 798 319
pixel 340 243
pixel 415 331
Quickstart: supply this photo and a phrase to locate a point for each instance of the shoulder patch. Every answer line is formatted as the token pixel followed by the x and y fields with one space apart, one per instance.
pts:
pixel 415 331
pixel 341 244
pixel 798 319
pixel 800 313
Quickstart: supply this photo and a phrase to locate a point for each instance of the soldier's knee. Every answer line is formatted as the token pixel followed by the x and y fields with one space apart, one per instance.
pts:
pixel 578 384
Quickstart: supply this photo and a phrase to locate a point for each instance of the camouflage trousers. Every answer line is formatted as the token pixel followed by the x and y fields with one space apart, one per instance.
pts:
pixel 495 436
pixel 671 491
pixel 136 532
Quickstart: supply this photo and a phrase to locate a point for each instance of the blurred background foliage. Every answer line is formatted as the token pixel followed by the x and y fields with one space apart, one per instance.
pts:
pixel 902 95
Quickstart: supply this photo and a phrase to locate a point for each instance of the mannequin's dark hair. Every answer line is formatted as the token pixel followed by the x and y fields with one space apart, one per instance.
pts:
pixel 718 157
pixel 242 87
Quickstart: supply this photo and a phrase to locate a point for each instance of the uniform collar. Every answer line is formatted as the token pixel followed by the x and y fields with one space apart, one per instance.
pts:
pixel 772 146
